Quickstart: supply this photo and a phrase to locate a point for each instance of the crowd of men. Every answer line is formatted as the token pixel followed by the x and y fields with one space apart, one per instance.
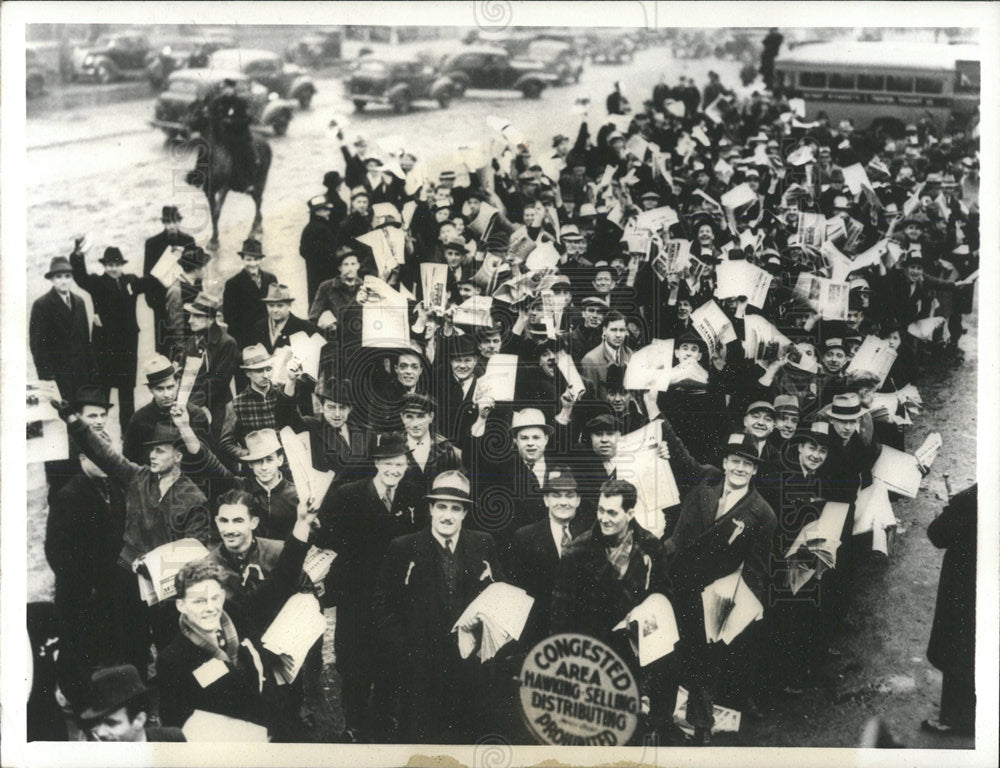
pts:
pixel 441 487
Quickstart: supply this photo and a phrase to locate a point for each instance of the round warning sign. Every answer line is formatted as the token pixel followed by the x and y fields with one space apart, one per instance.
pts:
pixel 577 691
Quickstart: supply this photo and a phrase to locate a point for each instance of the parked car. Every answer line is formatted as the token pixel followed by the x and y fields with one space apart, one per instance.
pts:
pixel 188 90
pixel 180 53
pixel 316 50
pixel 114 57
pixel 490 68
pixel 289 81
pixel 556 57
pixel 34 75
pixel 397 83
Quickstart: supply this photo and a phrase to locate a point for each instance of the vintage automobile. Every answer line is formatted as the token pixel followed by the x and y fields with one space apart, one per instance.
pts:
pixel 492 68
pixel 316 50
pixel 181 53
pixel 188 90
pixel 289 81
pixel 113 57
pixel 398 83
pixel 557 57
pixel 34 75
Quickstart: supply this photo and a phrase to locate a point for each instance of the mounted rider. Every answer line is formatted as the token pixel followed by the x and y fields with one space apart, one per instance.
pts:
pixel 230 118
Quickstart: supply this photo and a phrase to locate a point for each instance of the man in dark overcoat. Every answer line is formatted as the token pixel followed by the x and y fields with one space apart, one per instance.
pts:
pixel 427 580
pixel 242 299
pixel 156 292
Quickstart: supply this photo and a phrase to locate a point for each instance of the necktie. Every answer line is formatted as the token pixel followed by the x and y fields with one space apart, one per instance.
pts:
pixel 387 499
pixel 722 506
pixel 68 300
pixel 221 638
pixel 449 546
pixel 566 539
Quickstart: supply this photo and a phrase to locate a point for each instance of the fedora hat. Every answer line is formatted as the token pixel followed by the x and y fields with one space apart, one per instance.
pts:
pixel 164 433
pixel 111 689
pixel 261 443
pixel 204 305
pixel 193 256
pixel 278 293
pixel 337 390
pixel 605 422
pixel 786 404
pixel 414 402
pixel 255 357
pixel 112 257
pixel 741 444
pixel 450 486
pixel 817 432
pixel 462 346
pixel 170 214
pixel 252 247
pixel 59 266
pixel 529 417
pixel 559 478
pixel 388 445
pixel 845 407
pixel 90 394
pixel 158 369
pixel 332 179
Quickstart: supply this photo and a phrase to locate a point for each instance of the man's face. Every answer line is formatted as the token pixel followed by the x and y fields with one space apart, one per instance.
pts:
pixel 787 423
pixel 62 281
pixel 649 203
pixel 349 268
pixel 604 443
pixel 251 264
pixel 278 311
pixel 834 359
pixel 164 392
pixel 705 235
pixel 116 726
pixel 163 457
pixel 612 517
pixel 687 352
pixel 530 216
pixel 915 271
pixel 604 282
pixel 562 505
pixel 683 309
pixel 489 345
pixel 172 227
pixel 615 333
pixel 845 427
pixel 194 274
pixel 408 370
pixel 462 366
pixel 467 291
pixel 416 423
pixel 575 247
pixel 894 340
pixel 360 205
pixel 593 316
pixel 547 362
pixel 812 455
pixel 913 232
pixel 530 443
pixel 446 232
pixel 236 526
pixel 390 471
pixel 447 517
pixel 738 470
pixel 199 323
pixel 260 377
pixel 617 399
pixel 759 423
pixel 266 470
pixel 335 414
pixel 453 257
pixel 113 271
pixel 94 416
pixel 473 204
pixel 202 604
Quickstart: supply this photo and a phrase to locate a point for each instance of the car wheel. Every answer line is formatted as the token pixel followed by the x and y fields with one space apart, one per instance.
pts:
pixel 360 104
pixel 459 88
pixel 280 125
pixel 401 104
pixel 305 99
pixel 35 86
pixel 531 90
pixel 104 74
pixel 444 100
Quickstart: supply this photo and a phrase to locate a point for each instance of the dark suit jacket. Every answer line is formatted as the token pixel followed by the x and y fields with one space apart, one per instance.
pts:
pixel 443 456
pixel 261 333
pixel 213 387
pixel 441 695
pixel 533 563
pixel 242 306
pixel 59 337
pixel 156 293
pixel 155 733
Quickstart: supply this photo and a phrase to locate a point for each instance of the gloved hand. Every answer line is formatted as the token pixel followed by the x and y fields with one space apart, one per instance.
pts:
pixel 64 409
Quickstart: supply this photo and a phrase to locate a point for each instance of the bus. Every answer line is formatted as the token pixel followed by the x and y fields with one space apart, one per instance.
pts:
pixel 883 84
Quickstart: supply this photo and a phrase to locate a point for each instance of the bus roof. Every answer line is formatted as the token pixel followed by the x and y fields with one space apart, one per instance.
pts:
pixel 904 55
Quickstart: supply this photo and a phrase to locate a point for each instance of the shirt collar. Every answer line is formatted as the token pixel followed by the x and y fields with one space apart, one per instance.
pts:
pixel 380 487
pixel 440 539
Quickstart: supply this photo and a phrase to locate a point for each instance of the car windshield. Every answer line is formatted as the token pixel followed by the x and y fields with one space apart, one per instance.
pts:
pixel 183 86
pixel 372 67
pixel 545 49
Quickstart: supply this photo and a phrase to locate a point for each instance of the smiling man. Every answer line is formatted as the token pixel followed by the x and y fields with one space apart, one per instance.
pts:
pixel 117 709
pixel 611 351
pixel 427 580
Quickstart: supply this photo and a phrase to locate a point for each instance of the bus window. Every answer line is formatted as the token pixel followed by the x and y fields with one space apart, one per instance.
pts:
pixel 929 85
pixel 812 79
pixel 967 75
pixel 842 80
pixel 899 84
pixel 871 82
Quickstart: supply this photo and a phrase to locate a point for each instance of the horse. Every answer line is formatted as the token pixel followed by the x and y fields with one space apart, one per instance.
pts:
pixel 215 171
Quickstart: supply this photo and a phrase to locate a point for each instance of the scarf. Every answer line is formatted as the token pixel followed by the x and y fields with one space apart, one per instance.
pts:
pixel 619 554
pixel 200 640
